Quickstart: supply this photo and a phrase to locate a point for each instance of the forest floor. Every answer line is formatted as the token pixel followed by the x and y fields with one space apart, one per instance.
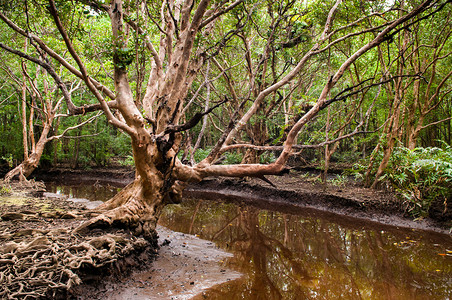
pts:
pixel 41 256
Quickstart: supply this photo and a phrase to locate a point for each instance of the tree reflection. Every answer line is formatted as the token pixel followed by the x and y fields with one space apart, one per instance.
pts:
pixel 286 256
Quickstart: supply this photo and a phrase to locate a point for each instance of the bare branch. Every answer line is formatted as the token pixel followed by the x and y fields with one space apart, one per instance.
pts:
pixel 57 57
pixel 280 148
pixel 219 13
pixel 72 108
pixel 437 122
pixel 176 28
pixel 193 121
pixel 202 170
pixel 55 137
pixel 314 50
pixel 341 97
pixel 149 45
pixel 320 104
pixel 195 95
pixel 329 20
pixel 6 99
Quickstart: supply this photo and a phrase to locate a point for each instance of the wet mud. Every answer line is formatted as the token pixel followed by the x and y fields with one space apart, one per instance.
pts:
pixel 185 266
pixel 291 194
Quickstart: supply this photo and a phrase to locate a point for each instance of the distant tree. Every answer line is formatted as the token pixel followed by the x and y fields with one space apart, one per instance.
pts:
pixel 416 66
pixel 40 105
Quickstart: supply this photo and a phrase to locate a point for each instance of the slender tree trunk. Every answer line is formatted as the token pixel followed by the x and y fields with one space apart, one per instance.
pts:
pixel 24 115
pixel 77 147
pixel 204 119
pixel 27 166
pixel 56 142
pixel 327 148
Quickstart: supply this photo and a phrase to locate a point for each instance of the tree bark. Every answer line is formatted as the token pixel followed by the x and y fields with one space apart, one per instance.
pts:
pixel 29 164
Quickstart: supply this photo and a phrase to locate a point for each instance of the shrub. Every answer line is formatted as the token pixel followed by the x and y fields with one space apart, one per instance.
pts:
pixel 421 176
pixel 127 161
pixel 5 190
pixel 200 154
pixel 232 158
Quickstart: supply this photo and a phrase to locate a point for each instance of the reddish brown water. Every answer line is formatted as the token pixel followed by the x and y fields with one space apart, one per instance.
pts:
pixel 298 256
pixel 286 256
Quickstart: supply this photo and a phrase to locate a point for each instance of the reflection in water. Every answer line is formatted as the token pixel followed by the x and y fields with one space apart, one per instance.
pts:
pixel 287 256
pixel 93 192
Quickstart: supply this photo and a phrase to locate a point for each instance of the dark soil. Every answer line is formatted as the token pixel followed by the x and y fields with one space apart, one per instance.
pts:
pixel 296 192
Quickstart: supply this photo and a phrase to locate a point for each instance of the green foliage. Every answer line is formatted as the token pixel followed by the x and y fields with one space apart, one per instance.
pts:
pixel 200 154
pixel 267 158
pixel 124 57
pixel 421 176
pixel 92 145
pixel 10 128
pixel 5 190
pixel 127 161
pixel 9 159
pixel 339 180
pixel 232 158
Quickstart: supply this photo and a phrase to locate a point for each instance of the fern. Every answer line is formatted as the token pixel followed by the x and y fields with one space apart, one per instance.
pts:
pixel 421 176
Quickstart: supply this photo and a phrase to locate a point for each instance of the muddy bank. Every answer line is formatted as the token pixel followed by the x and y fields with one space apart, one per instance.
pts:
pixel 117 176
pixel 296 190
pixel 42 257
pixel 294 195
pixel 184 267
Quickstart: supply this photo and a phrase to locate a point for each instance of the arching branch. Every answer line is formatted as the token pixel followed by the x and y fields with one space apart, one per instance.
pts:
pixel 86 78
pixel 193 121
pixel 57 57
pixel 72 108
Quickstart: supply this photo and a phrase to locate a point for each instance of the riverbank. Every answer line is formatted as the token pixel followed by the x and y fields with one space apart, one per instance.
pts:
pixel 289 193
pixel 299 189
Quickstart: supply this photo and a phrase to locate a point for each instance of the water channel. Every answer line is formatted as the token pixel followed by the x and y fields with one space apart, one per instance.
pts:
pixel 295 255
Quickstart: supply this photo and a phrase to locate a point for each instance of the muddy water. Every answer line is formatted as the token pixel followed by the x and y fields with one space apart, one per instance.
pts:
pixel 93 192
pixel 293 256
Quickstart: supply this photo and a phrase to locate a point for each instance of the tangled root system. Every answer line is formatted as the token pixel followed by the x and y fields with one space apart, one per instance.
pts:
pixel 41 256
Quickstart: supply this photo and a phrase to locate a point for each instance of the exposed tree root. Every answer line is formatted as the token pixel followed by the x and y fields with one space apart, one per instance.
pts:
pixel 44 264
pixel 42 257
pixel 135 208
